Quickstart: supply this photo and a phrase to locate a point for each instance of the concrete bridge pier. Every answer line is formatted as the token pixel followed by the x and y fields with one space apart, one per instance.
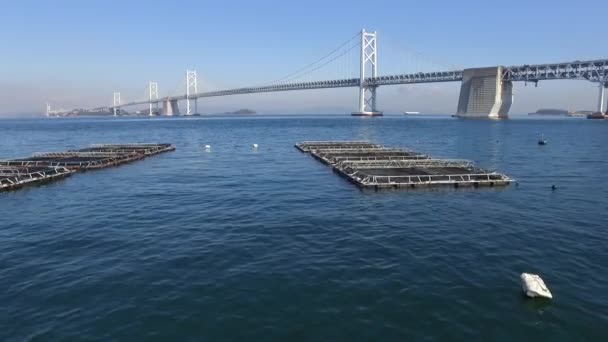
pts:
pixel 602 97
pixel 170 107
pixel 484 94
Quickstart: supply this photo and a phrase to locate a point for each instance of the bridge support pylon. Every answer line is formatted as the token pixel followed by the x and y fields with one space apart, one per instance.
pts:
pixel 602 97
pixel 170 107
pixel 369 57
pixel 191 91
pixel 116 103
pixel 485 94
pixel 153 88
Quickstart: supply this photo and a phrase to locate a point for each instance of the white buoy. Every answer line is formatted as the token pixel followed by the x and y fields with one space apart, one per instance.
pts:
pixel 207 147
pixel 255 145
pixel 534 286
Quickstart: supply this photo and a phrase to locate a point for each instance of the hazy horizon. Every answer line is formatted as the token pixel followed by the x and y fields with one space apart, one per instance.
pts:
pixel 71 59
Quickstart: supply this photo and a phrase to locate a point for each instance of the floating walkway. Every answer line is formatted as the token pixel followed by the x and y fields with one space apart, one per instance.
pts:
pixel 146 149
pixel 50 166
pixel 15 177
pixel 374 166
pixel 317 145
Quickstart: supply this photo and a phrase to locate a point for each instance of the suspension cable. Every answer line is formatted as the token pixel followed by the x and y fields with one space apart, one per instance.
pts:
pixel 302 69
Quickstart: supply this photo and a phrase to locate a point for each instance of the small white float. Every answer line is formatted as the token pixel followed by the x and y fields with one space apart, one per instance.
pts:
pixel 534 286
pixel 207 147
pixel 255 145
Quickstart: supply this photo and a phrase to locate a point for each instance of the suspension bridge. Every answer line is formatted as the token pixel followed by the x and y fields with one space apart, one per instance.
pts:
pixel 484 92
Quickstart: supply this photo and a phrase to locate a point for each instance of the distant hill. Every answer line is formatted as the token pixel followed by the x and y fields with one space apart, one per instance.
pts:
pixel 241 111
pixel 550 111
pixel 85 112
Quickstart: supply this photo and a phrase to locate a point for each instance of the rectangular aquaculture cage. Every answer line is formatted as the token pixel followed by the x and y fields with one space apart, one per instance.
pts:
pixel 375 166
pixel 75 160
pixel 147 149
pixel 333 156
pixel 411 174
pixel 49 165
pixel 14 177
pixel 308 146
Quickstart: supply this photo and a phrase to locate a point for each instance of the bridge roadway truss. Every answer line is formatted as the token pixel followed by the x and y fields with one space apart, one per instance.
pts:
pixel 478 96
pixel 429 77
pixel 594 71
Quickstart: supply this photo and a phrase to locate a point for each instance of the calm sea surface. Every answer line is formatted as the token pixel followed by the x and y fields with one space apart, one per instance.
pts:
pixel 269 244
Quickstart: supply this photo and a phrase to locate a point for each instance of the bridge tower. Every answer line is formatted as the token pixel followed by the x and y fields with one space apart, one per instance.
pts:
pixel 153 90
pixel 369 62
pixel 48 110
pixel 191 91
pixel 116 103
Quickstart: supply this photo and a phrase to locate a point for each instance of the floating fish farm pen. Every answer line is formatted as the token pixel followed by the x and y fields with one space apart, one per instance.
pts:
pixel 53 165
pixel 374 166
pixel 307 145
pixel 15 177
pixel 397 174
pixel 146 149
pixel 76 160
pixel 333 156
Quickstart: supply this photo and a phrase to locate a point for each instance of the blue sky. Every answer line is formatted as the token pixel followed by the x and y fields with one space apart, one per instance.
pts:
pixel 76 53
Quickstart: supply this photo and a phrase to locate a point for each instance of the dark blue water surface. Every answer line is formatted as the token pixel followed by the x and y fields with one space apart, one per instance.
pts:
pixel 269 244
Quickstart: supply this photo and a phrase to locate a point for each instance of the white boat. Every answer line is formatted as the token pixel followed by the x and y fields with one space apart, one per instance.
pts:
pixel 411 113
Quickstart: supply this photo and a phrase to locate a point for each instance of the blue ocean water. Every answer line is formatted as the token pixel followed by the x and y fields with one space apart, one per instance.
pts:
pixel 269 244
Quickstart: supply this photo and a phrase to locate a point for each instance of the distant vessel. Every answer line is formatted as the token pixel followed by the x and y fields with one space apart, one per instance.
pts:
pixel 411 113
pixel 580 113
pixel 596 115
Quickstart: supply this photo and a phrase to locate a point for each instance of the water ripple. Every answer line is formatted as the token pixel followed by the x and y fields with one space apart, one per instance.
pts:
pixel 237 244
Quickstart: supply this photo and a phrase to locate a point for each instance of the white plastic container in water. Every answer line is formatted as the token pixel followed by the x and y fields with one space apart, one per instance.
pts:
pixel 207 147
pixel 255 145
pixel 534 286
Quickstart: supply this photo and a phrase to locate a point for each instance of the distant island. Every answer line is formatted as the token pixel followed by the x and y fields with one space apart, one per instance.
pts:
pixel 121 112
pixel 562 112
pixel 78 112
pixel 548 111
pixel 241 111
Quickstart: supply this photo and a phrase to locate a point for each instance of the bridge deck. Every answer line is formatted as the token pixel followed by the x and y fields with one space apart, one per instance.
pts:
pixel 593 70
